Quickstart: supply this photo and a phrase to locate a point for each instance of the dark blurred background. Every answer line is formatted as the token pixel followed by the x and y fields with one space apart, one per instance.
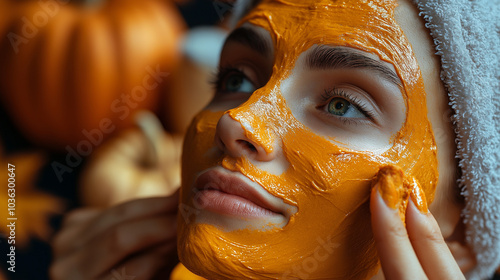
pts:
pixel 33 259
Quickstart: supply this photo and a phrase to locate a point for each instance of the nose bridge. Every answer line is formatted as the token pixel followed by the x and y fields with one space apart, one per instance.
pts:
pixel 258 120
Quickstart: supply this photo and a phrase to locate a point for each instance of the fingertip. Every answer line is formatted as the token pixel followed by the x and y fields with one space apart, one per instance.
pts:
pixel 373 196
pixel 391 239
pixel 418 198
pixel 378 205
pixel 416 210
pixel 385 219
pixel 419 222
pixel 379 209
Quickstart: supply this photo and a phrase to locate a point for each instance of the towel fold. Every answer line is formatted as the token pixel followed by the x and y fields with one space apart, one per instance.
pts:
pixel 466 34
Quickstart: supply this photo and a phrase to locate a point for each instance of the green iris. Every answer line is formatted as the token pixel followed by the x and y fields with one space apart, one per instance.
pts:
pixel 234 82
pixel 338 106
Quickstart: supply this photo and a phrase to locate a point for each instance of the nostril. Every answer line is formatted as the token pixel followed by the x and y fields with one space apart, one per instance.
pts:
pixel 247 145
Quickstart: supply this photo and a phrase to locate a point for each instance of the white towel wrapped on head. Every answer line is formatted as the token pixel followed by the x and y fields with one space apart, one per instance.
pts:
pixel 466 34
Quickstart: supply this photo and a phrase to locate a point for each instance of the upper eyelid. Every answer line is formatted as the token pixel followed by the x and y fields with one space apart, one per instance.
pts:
pixel 246 69
pixel 223 71
pixel 335 92
pixel 328 57
pixel 371 88
pixel 251 39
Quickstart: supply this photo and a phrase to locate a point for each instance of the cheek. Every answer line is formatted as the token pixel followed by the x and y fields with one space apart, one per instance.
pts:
pixel 198 149
pixel 330 187
pixel 414 148
pixel 319 168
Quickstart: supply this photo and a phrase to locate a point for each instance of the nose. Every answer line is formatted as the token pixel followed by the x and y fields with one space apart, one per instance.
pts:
pixel 231 137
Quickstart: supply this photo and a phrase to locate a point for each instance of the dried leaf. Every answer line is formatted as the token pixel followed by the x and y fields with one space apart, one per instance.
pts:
pixel 32 207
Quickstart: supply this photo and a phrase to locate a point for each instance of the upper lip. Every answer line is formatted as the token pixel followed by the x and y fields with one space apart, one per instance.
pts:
pixel 229 182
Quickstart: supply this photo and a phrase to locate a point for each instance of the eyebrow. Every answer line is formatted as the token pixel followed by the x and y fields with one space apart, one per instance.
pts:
pixel 251 38
pixel 327 57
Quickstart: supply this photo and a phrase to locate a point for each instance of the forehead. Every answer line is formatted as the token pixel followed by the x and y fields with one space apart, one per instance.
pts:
pixel 296 26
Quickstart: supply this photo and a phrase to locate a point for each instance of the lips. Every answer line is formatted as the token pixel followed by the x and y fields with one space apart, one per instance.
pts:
pixel 227 194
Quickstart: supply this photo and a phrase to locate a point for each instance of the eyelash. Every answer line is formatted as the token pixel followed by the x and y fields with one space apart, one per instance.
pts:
pixel 335 92
pixel 219 76
pixel 221 73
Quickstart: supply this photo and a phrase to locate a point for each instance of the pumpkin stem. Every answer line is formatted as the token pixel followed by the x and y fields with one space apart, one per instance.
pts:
pixel 152 129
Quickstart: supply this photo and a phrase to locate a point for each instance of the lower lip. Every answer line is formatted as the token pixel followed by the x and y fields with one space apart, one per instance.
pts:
pixel 228 204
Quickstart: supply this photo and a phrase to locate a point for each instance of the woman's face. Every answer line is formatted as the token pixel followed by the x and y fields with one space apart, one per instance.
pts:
pixel 311 99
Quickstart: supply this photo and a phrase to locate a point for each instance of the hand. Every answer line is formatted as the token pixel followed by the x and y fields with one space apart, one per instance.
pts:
pixel 137 238
pixel 415 252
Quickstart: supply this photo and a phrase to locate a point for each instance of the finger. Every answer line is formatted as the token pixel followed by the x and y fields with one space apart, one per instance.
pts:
pixel 147 265
pixel 133 210
pixel 395 251
pixel 73 226
pixel 80 215
pixel 127 239
pixel 144 264
pixel 429 245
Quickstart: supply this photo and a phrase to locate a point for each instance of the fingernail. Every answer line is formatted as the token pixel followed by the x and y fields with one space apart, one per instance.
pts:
pixel 393 189
pixel 418 197
pixel 389 180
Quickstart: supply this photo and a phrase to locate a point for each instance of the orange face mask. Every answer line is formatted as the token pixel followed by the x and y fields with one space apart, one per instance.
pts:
pixel 329 237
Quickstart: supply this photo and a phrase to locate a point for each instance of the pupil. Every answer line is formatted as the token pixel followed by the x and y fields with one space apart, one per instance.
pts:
pixel 339 105
pixel 235 82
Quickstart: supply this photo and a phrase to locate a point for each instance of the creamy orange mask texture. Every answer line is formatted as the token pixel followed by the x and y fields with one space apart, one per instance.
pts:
pixel 330 236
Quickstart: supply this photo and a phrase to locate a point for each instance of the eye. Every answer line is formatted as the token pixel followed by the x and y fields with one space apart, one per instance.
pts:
pixel 345 105
pixel 237 82
pixel 233 80
pixel 341 107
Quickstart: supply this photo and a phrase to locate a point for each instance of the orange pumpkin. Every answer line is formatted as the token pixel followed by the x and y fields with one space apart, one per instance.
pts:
pixel 69 70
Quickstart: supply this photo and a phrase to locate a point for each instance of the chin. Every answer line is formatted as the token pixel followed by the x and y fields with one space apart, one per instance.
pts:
pixel 205 250
pixel 347 252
